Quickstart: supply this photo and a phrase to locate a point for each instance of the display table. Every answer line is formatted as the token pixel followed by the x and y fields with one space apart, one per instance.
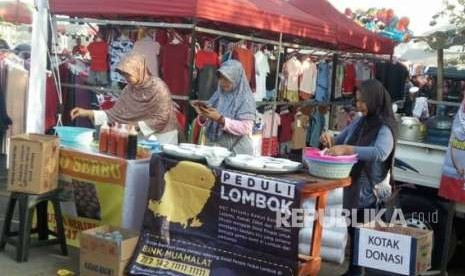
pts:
pixel 318 189
pixel 230 222
pixel 100 189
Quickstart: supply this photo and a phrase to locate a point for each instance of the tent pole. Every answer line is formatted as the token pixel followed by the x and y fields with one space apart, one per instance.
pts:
pixel 189 110
pixel 273 110
pixel 440 78
pixel 332 97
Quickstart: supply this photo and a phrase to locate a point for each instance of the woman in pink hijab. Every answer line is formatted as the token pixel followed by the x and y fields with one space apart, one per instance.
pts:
pixel 145 101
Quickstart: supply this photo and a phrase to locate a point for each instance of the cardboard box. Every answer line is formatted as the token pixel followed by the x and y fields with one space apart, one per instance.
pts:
pixel 393 248
pixel 33 163
pixel 105 257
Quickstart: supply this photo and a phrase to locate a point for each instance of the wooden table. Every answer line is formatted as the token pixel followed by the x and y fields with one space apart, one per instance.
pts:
pixel 318 189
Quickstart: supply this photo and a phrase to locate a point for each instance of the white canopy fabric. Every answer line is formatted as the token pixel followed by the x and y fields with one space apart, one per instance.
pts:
pixel 35 122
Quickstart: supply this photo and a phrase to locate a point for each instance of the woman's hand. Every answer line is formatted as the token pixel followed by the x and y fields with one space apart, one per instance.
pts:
pixel 210 113
pixel 326 139
pixel 340 150
pixel 81 112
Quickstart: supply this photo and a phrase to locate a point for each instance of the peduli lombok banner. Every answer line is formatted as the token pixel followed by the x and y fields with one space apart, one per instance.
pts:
pixel 202 221
pixel 453 177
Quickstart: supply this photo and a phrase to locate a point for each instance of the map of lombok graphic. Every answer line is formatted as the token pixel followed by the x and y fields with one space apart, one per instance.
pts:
pixel 187 189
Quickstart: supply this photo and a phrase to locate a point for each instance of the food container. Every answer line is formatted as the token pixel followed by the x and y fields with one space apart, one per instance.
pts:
pixel 316 154
pixel 330 170
pixel 70 136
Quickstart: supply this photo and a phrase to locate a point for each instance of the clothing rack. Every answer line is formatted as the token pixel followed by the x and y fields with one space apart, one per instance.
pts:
pixel 283 46
pixel 306 103
pixel 105 90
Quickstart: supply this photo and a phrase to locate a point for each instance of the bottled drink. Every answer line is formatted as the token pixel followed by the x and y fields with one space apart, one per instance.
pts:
pixel 103 139
pixel 112 139
pixel 132 143
pixel 122 141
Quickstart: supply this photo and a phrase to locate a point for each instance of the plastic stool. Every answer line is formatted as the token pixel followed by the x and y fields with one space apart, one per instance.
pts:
pixel 27 203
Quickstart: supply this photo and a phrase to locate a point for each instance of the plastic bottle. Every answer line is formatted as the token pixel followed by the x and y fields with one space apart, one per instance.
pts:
pixel 122 141
pixel 132 143
pixel 112 139
pixel 103 139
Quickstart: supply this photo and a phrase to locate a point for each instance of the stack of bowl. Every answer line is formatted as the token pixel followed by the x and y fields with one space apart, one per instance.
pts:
pixel 326 166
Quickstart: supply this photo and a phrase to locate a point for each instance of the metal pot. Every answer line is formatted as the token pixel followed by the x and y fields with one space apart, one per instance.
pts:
pixel 411 129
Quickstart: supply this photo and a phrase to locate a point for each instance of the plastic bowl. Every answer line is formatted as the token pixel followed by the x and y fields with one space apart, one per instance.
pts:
pixel 328 169
pixel 75 135
pixel 315 154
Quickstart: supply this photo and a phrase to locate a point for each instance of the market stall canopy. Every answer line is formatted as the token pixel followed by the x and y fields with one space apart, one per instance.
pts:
pixel 350 36
pixel 266 16
pixel 15 12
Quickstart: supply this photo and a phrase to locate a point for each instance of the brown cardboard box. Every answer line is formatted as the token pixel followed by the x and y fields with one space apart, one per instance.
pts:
pixel 33 163
pixel 105 257
pixel 394 248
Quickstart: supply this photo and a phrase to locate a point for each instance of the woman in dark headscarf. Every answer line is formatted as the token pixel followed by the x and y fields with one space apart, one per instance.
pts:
pixel 373 138
pixel 145 101
pixel 230 113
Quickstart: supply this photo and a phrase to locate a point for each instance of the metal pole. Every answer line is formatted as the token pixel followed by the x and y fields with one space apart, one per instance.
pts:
pixel 126 23
pixel 333 109
pixel 440 81
pixel 189 110
pixel 276 89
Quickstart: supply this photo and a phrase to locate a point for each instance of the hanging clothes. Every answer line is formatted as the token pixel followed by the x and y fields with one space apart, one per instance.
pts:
pixel 204 58
pixel 207 82
pixel 16 98
pixel 83 98
pixel 396 78
pixel 299 131
pixel 322 91
pixel 207 63
pixel 161 36
pixel 247 59
pixel 98 51
pixel 271 121
pixel 381 72
pixel 118 49
pixel 362 72
pixel 339 81
pixel 315 130
pixel 309 77
pixel 271 78
pixel 150 49
pixel 285 132
pixel 51 103
pixel 349 82
pixel 292 70
pixel 262 69
pixel 175 68
pixel 5 120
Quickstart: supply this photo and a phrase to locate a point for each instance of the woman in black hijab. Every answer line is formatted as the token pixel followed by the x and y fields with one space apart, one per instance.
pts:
pixel 373 138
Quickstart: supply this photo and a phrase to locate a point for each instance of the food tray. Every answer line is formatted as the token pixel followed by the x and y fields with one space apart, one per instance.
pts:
pixel 183 153
pixel 262 164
